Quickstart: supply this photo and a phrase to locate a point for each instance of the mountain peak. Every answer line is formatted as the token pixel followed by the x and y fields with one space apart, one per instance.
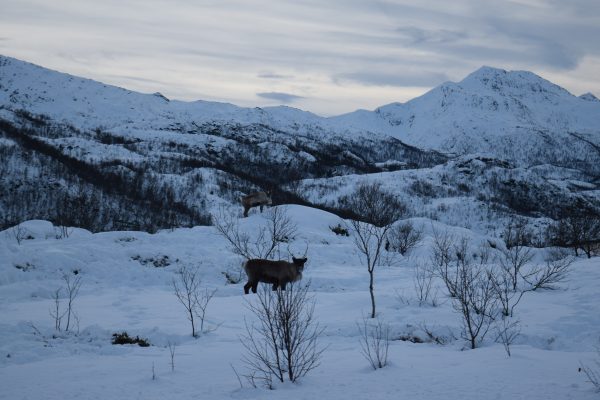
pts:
pixel 503 81
pixel 589 97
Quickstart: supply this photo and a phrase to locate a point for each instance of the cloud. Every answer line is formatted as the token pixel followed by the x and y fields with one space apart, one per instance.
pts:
pixel 273 75
pixel 416 35
pixel 340 54
pixel 399 78
pixel 279 96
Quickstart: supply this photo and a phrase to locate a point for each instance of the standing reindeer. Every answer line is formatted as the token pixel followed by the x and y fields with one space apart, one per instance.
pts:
pixel 255 199
pixel 278 273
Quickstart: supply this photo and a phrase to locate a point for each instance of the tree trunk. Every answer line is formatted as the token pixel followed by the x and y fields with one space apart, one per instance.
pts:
pixel 372 295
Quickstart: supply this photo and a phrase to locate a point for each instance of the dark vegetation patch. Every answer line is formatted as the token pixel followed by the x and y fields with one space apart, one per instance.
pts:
pixel 339 230
pixel 124 338
pixel 157 262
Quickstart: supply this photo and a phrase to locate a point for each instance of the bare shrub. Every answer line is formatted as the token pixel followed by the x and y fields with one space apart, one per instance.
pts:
pixel 593 372
pixel 404 237
pixel 422 188
pixel 469 284
pixel 171 347
pixel 19 233
pixel 508 298
pixel 475 301
pixel 374 342
pixel 265 242
pixel 55 311
pixel 510 288
pixel 62 231
pixel 284 342
pixel 380 210
pixel 188 290
pixel 423 280
pixel 508 331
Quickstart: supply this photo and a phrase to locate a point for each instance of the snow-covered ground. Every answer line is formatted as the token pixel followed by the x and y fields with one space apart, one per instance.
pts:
pixel 123 290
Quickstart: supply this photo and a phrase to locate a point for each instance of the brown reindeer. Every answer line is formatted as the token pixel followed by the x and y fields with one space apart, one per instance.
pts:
pixel 255 199
pixel 278 273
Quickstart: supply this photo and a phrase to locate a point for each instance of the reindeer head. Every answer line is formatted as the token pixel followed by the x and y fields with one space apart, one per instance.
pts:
pixel 299 262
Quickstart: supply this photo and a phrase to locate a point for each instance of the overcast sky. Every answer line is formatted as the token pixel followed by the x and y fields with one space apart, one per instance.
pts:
pixel 328 57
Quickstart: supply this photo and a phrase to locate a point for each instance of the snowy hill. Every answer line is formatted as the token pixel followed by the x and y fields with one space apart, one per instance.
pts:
pixel 126 286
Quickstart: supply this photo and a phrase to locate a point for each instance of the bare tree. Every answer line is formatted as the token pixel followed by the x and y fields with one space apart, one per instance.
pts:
pixel 404 237
pixel 374 342
pixel 380 210
pixel 516 254
pixel 264 242
pixel 195 299
pixel 580 232
pixel 202 300
pixel 476 302
pixel 469 284
pixel 284 343
pixel 73 284
pixel 443 259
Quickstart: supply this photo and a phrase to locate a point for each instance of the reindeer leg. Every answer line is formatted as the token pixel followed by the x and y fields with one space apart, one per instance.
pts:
pixel 246 211
pixel 283 286
pixel 247 288
pixel 261 208
pixel 274 287
pixel 254 287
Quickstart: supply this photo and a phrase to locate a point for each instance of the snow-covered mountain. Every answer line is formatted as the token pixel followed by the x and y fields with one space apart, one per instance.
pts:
pixel 529 132
pixel 514 115
pixel 488 111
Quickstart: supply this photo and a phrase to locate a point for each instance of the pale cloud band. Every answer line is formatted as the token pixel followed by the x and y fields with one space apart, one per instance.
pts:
pixel 326 57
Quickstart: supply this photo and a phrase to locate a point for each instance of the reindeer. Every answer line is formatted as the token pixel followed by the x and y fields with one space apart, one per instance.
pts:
pixel 278 273
pixel 255 199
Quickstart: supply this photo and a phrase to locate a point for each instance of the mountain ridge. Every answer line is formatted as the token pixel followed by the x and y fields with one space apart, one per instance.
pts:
pixel 490 101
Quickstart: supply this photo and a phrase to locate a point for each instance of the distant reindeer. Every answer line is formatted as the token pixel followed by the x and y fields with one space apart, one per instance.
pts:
pixel 255 199
pixel 278 273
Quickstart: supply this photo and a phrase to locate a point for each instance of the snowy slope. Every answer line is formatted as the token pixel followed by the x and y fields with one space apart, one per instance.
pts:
pixel 121 291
